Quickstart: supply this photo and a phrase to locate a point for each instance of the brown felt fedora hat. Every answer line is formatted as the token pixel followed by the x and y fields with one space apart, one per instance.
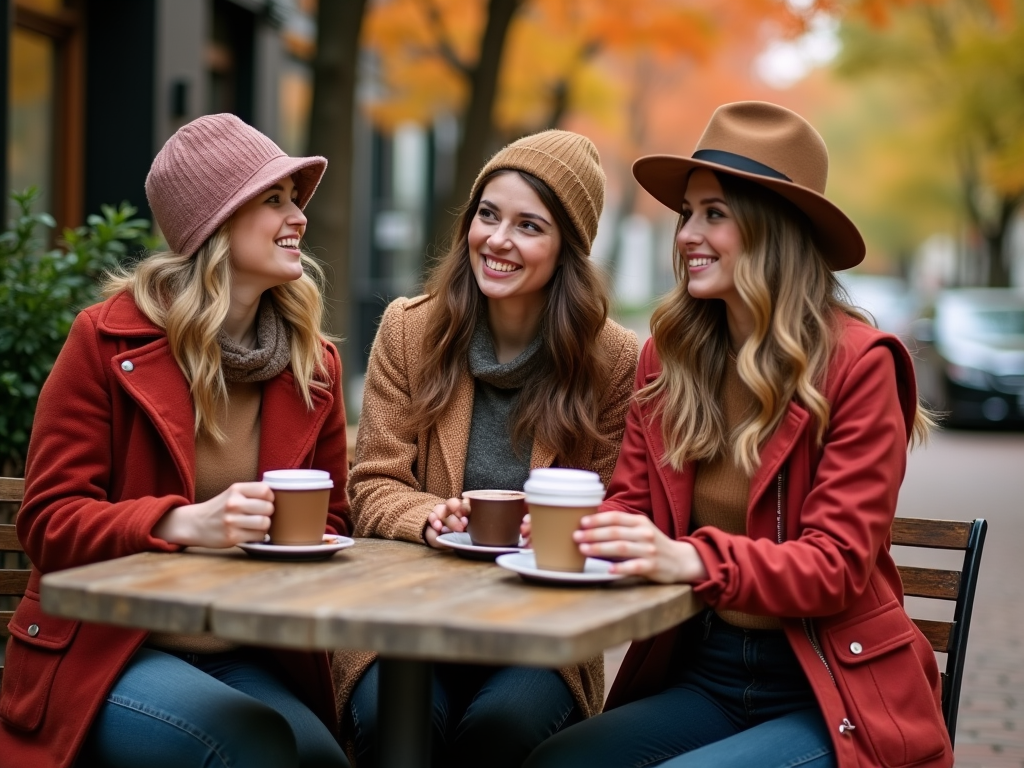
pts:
pixel 774 147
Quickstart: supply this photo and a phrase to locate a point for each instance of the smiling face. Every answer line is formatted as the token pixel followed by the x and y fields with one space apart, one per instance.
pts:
pixel 709 240
pixel 265 234
pixel 513 241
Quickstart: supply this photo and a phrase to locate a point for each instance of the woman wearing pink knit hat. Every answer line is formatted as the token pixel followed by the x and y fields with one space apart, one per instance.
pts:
pixel 507 363
pixel 203 368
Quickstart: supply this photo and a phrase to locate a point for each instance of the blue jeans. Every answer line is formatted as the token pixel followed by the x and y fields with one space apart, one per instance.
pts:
pixel 743 701
pixel 210 710
pixel 483 715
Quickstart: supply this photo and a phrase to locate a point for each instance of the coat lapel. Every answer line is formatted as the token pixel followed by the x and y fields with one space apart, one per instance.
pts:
pixel 453 431
pixel 541 455
pixel 777 450
pixel 678 486
pixel 151 376
pixel 288 430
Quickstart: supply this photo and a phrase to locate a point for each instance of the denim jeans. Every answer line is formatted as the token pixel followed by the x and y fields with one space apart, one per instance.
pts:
pixel 210 710
pixel 483 715
pixel 743 701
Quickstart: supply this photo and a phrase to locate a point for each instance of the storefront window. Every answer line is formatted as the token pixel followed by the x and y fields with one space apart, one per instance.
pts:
pixel 32 89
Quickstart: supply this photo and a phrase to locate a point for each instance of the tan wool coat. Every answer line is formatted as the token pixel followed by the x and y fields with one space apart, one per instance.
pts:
pixel 399 475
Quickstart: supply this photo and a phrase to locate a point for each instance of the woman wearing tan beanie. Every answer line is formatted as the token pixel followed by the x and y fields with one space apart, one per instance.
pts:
pixel 203 368
pixel 508 362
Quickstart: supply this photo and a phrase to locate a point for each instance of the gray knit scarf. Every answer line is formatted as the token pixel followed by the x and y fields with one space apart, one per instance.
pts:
pixel 272 353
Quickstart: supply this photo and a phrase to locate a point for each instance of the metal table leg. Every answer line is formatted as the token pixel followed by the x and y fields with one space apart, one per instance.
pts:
pixel 404 717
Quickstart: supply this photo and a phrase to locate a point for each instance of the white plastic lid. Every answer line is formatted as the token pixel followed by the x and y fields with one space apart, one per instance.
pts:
pixel 298 479
pixel 558 487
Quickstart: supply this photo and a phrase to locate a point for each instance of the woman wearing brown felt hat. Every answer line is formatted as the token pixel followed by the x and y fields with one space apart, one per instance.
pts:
pixel 762 465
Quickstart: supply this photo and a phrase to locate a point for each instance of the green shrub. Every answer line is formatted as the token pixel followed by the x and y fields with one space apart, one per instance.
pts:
pixel 41 291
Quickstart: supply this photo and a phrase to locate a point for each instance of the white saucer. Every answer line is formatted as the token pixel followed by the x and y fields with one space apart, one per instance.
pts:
pixel 594 571
pixel 268 551
pixel 464 546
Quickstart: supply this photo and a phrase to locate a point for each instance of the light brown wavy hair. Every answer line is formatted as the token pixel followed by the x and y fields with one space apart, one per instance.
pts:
pixel 188 297
pixel 560 405
pixel 796 301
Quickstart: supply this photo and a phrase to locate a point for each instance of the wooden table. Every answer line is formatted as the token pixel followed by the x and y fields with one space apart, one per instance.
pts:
pixel 411 604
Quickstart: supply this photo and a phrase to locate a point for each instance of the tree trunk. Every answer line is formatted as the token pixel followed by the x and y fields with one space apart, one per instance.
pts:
pixel 477 124
pixel 995 241
pixel 331 135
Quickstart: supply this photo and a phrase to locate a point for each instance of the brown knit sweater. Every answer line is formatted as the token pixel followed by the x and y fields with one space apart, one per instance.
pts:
pixel 721 487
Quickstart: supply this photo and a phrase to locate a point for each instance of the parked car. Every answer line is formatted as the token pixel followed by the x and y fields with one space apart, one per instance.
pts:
pixel 974 348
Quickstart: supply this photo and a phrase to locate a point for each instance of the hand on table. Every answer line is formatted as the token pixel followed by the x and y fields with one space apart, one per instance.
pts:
pixel 524 531
pixel 241 513
pixel 451 516
pixel 640 546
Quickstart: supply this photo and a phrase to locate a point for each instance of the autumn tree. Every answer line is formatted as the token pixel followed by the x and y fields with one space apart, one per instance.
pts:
pixel 331 135
pixel 509 67
pixel 959 66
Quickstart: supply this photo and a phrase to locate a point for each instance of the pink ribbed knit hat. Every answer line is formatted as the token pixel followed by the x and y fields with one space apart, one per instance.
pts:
pixel 211 167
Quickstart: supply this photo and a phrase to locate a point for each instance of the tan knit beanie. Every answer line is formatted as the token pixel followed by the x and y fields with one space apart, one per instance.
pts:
pixel 568 163
pixel 211 167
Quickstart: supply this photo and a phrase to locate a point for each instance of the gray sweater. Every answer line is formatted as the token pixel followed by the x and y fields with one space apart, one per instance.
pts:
pixel 491 461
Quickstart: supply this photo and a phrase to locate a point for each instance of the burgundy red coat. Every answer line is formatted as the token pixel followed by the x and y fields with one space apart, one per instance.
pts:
pixel 831 579
pixel 112 450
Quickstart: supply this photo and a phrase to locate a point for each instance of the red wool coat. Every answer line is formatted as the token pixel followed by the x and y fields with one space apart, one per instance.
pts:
pixel 112 450
pixel 831 580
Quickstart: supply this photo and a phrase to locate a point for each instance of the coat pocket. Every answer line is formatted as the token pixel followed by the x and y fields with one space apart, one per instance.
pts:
pixel 34 652
pixel 884 684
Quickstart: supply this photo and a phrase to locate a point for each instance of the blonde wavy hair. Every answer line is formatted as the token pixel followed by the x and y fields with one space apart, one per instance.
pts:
pixel 795 300
pixel 188 297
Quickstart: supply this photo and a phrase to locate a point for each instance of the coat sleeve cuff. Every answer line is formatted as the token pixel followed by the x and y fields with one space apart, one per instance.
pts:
pixel 720 573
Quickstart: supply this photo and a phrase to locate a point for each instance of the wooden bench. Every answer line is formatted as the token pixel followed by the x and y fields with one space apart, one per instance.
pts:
pixel 13 574
pixel 957 586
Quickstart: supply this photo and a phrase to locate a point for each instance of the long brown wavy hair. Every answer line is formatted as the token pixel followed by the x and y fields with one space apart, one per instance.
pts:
pixel 795 300
pixel 560 405
pixel 189 297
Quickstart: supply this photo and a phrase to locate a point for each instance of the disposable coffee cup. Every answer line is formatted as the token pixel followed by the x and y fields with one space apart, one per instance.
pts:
pixel 301 498
pixel 495 517
pixel 557 500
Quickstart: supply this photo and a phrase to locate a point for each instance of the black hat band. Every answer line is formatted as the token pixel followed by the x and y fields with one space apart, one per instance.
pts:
pixel 738 163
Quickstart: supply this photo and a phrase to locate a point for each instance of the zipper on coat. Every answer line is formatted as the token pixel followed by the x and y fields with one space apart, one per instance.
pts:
pixel 778 510
pixel 846 728
pixel 808 627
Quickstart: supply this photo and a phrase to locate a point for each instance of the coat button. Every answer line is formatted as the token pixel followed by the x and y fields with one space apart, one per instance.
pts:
pixel 856 647
pixel 127 366
pixel 33 630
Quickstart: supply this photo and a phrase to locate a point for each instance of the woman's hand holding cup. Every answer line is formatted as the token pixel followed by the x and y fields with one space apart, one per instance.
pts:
pixel 241 513
pixel 640 546
pixel 451 515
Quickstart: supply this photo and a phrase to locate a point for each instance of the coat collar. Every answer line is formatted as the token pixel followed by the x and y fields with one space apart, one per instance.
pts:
pixel 151 377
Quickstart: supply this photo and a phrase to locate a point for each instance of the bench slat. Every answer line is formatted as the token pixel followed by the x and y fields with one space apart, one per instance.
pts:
pixel 930 582
pixel 9 539
pixel 12 488
pixel 5 619
pixel 935 534
pixel 938 633
pixel 13 581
